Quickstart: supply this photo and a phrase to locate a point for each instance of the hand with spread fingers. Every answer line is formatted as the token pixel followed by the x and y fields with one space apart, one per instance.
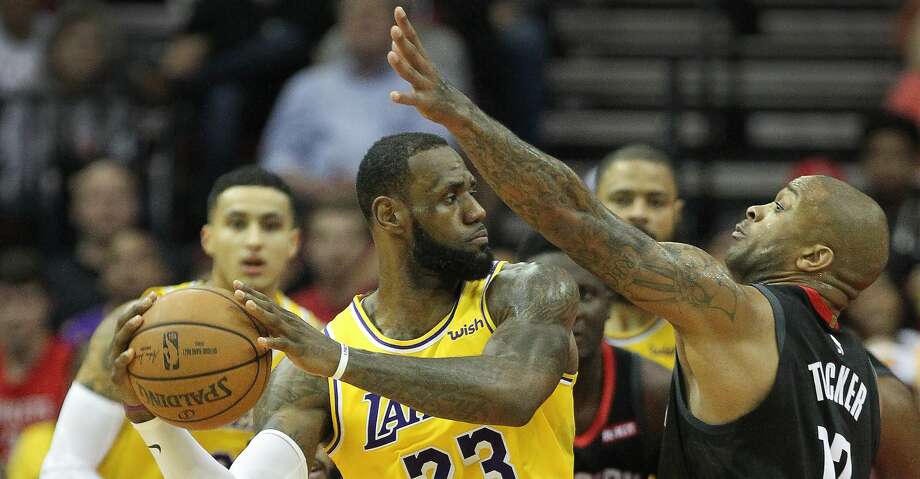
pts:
pixel 121 355
pixel 309 349
pixel 431 95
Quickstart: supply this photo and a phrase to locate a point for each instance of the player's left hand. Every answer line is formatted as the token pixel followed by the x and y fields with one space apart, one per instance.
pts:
pixel 306 347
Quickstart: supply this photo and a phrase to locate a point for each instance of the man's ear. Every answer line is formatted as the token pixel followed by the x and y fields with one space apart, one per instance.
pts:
pixel 815 258
pixel 205 238
pixel 294 243
pixel 390 214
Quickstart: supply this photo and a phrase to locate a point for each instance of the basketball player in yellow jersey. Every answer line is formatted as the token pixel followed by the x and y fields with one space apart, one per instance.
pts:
pixel 251 234
pixel 456 367
pixel 638 184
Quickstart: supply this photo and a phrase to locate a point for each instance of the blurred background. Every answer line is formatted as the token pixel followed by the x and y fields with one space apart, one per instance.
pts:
pixel 117 116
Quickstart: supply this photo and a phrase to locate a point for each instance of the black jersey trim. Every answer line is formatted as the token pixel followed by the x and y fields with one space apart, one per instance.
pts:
pixel 779 320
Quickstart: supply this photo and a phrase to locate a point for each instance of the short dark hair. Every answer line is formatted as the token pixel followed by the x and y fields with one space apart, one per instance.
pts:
pixel 636 151
pixel 894 123
pixel 533 245
pixel 252 176
pixel 385 167
pixel 22 265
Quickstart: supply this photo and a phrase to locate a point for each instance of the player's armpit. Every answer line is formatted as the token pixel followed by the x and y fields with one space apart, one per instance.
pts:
pixel 95 371
pixel 297 404
pixel 900 431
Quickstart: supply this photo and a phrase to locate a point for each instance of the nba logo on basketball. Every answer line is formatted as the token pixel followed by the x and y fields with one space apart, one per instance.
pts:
pixel 171 350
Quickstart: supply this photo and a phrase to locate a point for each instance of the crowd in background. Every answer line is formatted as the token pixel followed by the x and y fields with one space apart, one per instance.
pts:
pixel 108 150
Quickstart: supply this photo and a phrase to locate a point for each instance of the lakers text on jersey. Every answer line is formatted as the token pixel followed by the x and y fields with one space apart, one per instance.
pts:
pixel 376 437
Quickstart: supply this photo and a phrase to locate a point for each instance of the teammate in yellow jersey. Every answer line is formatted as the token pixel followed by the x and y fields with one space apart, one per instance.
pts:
pixel 251 234
pixel 638 184
pixel 457 366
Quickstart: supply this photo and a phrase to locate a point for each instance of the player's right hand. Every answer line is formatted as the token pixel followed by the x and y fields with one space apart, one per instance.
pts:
pixel 121 355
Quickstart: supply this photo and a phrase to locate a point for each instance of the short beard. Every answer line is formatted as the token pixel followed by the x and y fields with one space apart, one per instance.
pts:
pixel 749 267
pixel 448 263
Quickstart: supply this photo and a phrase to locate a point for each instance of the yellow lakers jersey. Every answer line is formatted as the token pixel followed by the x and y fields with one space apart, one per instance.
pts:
pixel 128 457
pixel 655 341
pixel 374 437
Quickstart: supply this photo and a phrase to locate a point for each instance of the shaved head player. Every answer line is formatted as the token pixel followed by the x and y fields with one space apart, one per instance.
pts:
pixel 766 384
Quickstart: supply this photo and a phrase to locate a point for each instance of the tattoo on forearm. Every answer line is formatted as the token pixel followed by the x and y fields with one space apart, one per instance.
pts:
pixel 290 403
pixel 519 368
pixel 552 198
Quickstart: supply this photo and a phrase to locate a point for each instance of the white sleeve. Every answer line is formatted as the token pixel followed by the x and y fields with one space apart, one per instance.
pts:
pixel 85 430
pixel 270 455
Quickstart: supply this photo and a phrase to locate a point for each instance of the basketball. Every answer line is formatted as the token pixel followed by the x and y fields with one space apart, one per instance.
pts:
pixel 196 362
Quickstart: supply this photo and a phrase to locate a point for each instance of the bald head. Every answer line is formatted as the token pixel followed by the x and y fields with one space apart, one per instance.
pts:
pixel 848 222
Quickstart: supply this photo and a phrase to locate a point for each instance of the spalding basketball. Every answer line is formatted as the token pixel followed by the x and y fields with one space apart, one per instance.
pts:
pixel 196 362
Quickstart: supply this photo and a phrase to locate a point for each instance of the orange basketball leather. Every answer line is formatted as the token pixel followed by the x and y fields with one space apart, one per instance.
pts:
pixel 197 365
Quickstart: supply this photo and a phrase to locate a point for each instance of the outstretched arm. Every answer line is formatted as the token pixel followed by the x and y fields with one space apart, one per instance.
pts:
pixel 520 367
pixel 679 282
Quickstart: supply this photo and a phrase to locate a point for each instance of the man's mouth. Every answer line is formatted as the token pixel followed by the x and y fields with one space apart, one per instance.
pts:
pixel 253 266
pixel 481 237
pixel 738 233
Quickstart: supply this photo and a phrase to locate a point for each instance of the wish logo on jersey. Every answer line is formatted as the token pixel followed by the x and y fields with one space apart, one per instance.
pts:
pixel 382 429
pixel 467 329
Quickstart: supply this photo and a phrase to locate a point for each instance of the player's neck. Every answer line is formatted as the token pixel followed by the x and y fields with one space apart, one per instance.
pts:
pixel 627 318
pixel 406 305
pixel 836 296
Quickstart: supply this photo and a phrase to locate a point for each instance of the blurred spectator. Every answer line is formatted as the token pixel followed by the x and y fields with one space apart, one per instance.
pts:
pixel 508 47
pixel 134 262
pixel 445 47
pixel 328 116
pixel 719 243
pixel 891 163
pixel 78 114
pixel 904 96
pixel 912 290
pixel 104 200
pixel 878 317
pixel 23 32
pixel 339 251
pixel 35 365
pixel 816 165
pixel 230 60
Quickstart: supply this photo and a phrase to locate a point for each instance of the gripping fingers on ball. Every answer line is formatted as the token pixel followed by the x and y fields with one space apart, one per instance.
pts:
pixel 253 294
pixel 124 334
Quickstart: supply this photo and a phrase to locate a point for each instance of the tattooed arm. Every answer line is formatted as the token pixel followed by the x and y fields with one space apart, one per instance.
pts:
pixel 534 307
pixel 676 281
pixel 297 404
